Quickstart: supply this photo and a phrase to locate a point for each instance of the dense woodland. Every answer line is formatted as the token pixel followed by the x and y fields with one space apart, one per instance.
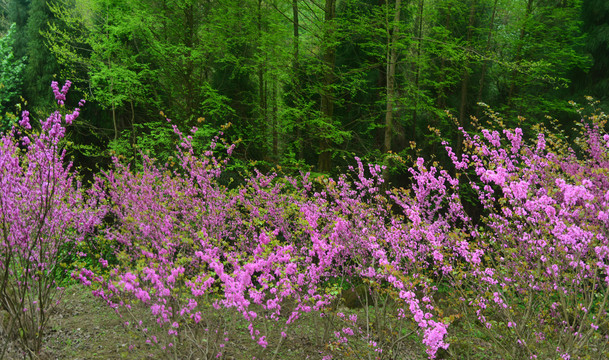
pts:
pixel 301 83
pixel 489 241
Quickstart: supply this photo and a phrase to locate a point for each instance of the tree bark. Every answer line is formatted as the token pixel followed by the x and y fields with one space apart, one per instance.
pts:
pixel 441 96
pixel 485 62
pixel 419 32
pixel 262 101
pixel 274 122
pixel 296 75
pixel 111 77
pixel 133 132
pixel 392 59
pixel 327 96
pixel 518 55
pixel 465 80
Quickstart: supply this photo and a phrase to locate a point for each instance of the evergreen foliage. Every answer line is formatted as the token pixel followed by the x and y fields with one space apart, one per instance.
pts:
pixel 11 73
pixel 309 83
pixel 595 15
pixel 42 67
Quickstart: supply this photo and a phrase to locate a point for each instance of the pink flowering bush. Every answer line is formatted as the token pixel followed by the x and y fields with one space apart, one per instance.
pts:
pixel 540 286
pixel 44 211
pixel 264 252
pixel 185 243
pixel 531 275
pixel 369 237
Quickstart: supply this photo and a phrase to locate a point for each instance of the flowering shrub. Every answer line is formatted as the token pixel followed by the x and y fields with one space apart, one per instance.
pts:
pixel 542 283
pixel 185 243
pixel 264 250
pixel 43 213
pixel 532 274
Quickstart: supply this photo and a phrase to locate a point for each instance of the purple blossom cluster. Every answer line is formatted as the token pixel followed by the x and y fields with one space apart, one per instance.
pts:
pixel 44 212
pixel 267 249
pixel 544 279
pixel 533 272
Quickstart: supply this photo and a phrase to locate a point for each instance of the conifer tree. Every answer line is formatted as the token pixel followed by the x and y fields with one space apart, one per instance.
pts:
pixel 18 14
pixel 42 66
pixel 595 16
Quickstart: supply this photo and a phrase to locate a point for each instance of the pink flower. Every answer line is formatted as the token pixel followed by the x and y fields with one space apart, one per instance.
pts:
pixel 262 341
pixel 25 120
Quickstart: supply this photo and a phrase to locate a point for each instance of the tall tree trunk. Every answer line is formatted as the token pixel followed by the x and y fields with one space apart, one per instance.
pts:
pixel 274 122
pixel 133 134
pixel 392 59
pixel 327 96
pixel 296 75
pixel 465 79
pixel 417 76
pixel 113 110
pixel 518 55
pixel 189 82
pixel 296 38
pixel 261 83
pixel 111 77
pixel 441 96
pixel 485 62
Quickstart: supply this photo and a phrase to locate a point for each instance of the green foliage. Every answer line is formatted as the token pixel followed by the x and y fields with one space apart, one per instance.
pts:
pixel 86 254
pixel 304 81
pixel 42 67
pixel 4 16
pixel 18 14
pixel 157 140
pixel 11 78
pixel 595 82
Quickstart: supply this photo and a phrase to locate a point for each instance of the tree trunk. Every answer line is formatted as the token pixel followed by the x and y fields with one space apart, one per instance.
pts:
pixel 327 98
pixel 261 83
pixel 417 76
pixel 274 122
pixel 296 75
pixel 465 80
pixel 441 97
pixel 113 110
pixel 190 87
pixel 296 36
pixel 111 79
pixel 133 134
pixel 392 59
pixel 518 55
pixel 485 62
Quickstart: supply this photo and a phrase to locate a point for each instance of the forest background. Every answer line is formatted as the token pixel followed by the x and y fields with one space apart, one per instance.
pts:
pixel 302 84
pixel 314 85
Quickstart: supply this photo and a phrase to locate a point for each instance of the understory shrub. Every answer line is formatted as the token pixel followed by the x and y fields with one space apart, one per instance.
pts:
pixel 540 287
pixel 529 279
pixel 44 212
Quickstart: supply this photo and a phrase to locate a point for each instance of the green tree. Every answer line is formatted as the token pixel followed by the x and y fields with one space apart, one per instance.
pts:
pixel 4 16
pixel 41 66
pixel 97 44
pixel 11 78
pixel 308 82
pixel 18 14
pixel 595 24
pixel 548 46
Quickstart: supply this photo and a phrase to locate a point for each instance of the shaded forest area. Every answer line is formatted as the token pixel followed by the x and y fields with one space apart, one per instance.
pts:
pixel 301 83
